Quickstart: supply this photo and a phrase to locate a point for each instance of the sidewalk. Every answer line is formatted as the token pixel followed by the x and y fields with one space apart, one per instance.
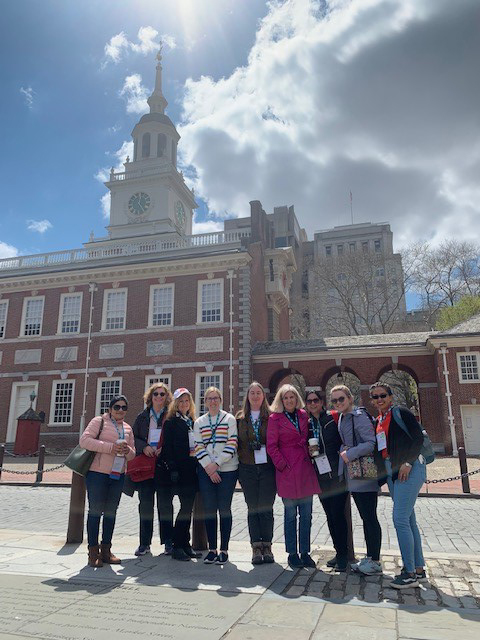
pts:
pixel 47 592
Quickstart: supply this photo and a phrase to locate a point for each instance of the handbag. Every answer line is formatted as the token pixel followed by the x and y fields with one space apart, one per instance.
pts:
pixel 141 468
pixel 364 467
pixel 80 459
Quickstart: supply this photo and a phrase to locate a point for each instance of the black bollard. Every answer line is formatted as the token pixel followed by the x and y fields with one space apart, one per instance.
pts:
pixel 2 455
pixel 41 462
pixel 76 512
pixel 348 517
pixel 462 458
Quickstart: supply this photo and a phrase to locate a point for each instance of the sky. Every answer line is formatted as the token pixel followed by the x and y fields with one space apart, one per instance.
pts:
pixel 296 102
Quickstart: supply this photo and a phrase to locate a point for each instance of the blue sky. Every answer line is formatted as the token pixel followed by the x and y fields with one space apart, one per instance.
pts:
pixel 288 102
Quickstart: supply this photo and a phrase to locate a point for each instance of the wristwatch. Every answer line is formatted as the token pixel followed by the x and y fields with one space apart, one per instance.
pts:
pixel 407 464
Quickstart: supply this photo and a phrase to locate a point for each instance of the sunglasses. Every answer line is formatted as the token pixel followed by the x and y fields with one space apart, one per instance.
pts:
pixel 159 393
pixel 313 401
pixel 380 395
pixel 120 407
pixel 338 400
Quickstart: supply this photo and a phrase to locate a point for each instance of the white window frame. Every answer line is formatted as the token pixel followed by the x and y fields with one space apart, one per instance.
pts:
pixel 153 288
pixel 104 310
pixel 99 391
pixel 52 422
pixel 199 300
pixel 77 294
pixel 468 353
pixel 24 316
pixel 2 303
pixel 165 378
pixel 198 378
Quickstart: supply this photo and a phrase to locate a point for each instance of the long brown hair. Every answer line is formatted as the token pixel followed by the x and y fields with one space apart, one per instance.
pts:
pixel 246 408
pixel 147 396
pixel 173 407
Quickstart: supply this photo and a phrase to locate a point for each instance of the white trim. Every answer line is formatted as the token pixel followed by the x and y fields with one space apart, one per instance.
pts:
pixel 5 302
pixel 463 409
pixel 169 285
pixel 55 383
pixel 12 418
pixel 198 377
pixel 162 377
pixel 199 300
pixel 60 313
pixel 24 313
pixel 99 389
pixel 459 367
pixel 104 308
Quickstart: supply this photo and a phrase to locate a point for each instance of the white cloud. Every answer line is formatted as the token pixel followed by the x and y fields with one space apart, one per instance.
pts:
pixel 118 158
pixel 207 226
pixel 347 95
pixel 105 205
pixel 147 41
pixel 40 226
pixel 28 94
pixel 7 250
pixel 135 93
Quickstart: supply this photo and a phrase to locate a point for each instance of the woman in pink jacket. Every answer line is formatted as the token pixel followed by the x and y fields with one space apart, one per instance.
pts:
pixel 112 440
pixel 297 482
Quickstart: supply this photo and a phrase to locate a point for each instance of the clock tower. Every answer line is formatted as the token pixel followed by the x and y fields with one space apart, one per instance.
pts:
pixel 150 196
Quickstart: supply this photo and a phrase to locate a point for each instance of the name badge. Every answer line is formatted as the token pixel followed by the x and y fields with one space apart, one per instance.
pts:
pixel 381 440
pixel 260 455
pixel 154 437
pixel 191 440
pixel 117 468
pixel 323 465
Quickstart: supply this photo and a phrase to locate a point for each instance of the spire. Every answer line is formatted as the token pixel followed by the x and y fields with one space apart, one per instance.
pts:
pixel 157 101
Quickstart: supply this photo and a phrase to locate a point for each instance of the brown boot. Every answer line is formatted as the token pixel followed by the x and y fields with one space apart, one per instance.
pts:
pixel 107 555
pixel 94 557
pixel 267 553
pixel 257 557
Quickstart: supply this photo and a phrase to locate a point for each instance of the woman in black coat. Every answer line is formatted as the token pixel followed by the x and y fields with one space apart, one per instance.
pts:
pixel 180 464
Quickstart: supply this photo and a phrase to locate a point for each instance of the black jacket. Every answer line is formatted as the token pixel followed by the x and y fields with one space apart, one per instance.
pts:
pixel 400 446
pixel 141 427
pixel 182 467
pixel 329 443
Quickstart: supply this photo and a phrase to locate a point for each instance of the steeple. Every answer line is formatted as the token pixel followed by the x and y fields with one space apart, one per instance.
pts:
pixel 157 101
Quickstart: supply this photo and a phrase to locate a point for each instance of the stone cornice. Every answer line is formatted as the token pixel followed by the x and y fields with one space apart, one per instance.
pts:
pixel 344 353
pixel 467 340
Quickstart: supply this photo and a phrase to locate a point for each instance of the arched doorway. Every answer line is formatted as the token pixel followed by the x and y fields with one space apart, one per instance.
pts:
pixel 286 376
pixel 404 387
pixel 350 380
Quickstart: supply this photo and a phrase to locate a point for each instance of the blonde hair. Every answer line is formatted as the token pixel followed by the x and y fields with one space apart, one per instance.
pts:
pixel 212 390
pixel 277 405
pixel 344 388
pixel 173 406
pixel 147 396
pixel 246 408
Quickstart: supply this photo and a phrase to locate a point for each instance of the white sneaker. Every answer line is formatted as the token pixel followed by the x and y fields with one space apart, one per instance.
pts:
pixel 370 568
pixel 355 566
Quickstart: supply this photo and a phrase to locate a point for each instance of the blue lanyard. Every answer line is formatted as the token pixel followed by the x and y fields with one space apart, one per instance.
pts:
pixel 315 427
pixel 256 424
pixel 154 415
pixel 294 421
pixel 213 438
pixel 120 435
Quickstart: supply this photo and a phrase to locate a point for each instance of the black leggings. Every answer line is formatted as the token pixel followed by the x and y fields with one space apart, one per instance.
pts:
pixel 367 507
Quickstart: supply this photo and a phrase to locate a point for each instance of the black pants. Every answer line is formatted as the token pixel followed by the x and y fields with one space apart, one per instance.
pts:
pixel 334 507
pixel 259 489
pixel 181 530
pixel 146 495
pixel 367 507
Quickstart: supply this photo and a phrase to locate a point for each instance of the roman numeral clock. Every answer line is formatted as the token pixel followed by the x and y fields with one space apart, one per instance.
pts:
pixel 138 206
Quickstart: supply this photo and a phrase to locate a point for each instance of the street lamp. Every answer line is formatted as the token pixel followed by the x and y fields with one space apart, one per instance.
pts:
pixel 33 395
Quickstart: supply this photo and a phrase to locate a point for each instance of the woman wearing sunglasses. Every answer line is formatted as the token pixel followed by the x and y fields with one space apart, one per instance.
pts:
pixel 405 472
pixel 112 440
pixel 325 456
pixel 358 439
pixel 297 483
pixel 148 432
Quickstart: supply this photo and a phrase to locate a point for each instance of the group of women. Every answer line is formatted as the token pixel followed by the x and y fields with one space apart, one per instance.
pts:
pixel 279 449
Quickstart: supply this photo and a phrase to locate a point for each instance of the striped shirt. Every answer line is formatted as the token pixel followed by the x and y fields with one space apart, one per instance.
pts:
pixel 220 446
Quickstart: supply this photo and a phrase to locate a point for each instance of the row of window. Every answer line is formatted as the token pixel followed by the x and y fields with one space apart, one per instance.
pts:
pixel 352 247
pixel 63 392
pixel 160 312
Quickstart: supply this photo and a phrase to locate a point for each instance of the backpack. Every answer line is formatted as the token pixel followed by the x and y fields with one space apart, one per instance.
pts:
pixel 427 449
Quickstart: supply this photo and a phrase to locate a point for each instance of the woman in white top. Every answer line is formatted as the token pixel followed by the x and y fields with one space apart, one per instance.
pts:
pixel 216 451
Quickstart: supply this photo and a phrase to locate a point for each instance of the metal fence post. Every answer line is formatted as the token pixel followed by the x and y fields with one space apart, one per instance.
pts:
pixel 41 462
pixel 76 513
pixel 462 458
pixel 348 518
pixel 2 455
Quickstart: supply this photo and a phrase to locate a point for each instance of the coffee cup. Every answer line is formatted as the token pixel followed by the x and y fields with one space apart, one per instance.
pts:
pixel 313 444
pixel 120 441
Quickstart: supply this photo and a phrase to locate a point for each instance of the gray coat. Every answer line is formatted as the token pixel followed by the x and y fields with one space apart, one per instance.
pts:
pixel 365 438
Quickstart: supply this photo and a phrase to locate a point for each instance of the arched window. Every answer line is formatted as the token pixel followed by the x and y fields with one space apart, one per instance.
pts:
pixel 146 145
pixel 174 153
pixel 135 148
pixel 161 145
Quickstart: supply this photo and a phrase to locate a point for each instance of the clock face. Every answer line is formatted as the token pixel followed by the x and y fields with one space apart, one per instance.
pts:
pixel 180 213
pixel 139 203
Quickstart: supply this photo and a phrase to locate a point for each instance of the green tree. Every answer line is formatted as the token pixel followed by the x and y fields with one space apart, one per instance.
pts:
pixel 448 317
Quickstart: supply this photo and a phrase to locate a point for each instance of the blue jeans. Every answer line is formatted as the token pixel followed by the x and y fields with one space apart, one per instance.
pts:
pixel 302 506
pixel 104 495
pixel 217 498
pixel 404 495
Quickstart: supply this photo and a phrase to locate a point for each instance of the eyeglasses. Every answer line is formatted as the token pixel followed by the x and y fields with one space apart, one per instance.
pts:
pixel 338 400
pixel 214 398
pixel 159 393
pixel 380 395
pixel 313 401
pixel 119 407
